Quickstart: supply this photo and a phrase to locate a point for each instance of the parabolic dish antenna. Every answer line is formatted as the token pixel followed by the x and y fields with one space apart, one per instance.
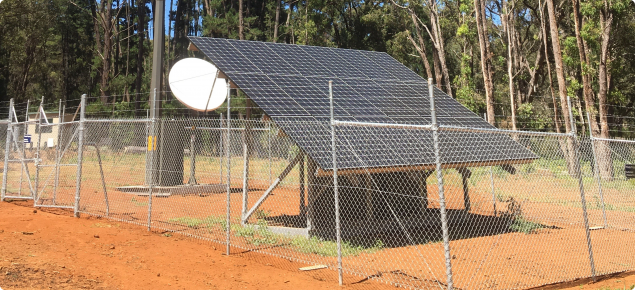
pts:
pixel 195 83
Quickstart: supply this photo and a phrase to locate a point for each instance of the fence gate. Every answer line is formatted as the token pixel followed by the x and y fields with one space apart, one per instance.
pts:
pixel 56 175
pixel 19 160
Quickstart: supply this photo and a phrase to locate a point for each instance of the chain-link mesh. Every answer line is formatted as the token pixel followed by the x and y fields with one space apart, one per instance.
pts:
pixel 522 209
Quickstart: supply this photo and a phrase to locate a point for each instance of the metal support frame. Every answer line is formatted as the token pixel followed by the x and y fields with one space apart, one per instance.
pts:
pixel 311 193
pixel 423 188
pixel 80 154
pixel 465 176
pixel 491 179
pixel 246 153
pixel 578 172
pixel 229 163
pixel 596 170
pixel 101 172
pixel 444 217
pixel 302 179
pixel 338 232
pixel 7 150
pixel 192 179
pixel 273 186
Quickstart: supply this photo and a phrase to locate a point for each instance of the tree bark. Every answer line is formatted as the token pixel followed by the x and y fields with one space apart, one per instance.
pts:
pixel 562 87
pixel 483 41
pixel 439 45
pixel 543 25
pixel 241 24
pixel 421 47
pixel 604 152
pixel 508 24
pixel 277 21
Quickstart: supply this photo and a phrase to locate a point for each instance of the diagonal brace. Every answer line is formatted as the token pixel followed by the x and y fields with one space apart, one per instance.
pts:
pixel 273 186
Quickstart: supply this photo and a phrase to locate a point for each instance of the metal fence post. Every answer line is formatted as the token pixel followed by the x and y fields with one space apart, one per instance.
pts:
pixel 152 146
pixel 58 147
pixel 229 163
pixel 220 148
pixel 338 231
pixel 80 153
pixel 596 170
pixel 7 149
pixel 37 152
pixel 26 132
pixel 578 172
pixel 444 218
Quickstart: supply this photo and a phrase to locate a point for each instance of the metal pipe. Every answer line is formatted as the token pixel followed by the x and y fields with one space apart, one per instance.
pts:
pixel 229 163
pixel 614 140
pixel 7 149
pixel 58 149
pixel 269 151
pixel 103 180
pixel 444 218
pixel 152 142
pixel 578 172
pixel 221 135
pixel 223 129
pixel 80 153
pixel 336 191
pixel 26 132
pixel 596 170
pixel 37 152
pixel 381 125
pixel 192 180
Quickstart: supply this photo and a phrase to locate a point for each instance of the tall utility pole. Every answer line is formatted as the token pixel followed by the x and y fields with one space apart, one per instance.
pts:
pixel 157 57
pixel 152 176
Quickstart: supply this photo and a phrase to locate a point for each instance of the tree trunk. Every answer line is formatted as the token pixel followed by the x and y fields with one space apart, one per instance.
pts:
pixel 277 21
pixel 604 151
pixel 439 46
pixel 105 17
pixel 421 47
pixel 241 24
pixel 508 26
pixel 483 41
pixel 543 25
pixel 562 86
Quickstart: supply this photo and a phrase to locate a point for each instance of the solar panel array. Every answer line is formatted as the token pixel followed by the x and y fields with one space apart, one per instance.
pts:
pixel 290 83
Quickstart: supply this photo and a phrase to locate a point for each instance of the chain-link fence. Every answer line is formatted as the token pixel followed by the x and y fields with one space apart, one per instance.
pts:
pixel 416 206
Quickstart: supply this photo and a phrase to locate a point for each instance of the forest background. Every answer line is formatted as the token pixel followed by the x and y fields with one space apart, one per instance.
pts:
pixel 514 61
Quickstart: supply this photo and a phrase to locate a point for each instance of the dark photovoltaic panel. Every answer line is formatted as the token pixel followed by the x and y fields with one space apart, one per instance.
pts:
pixel 290 83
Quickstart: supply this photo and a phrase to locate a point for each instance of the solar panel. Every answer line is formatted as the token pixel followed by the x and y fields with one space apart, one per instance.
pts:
pixel 290 83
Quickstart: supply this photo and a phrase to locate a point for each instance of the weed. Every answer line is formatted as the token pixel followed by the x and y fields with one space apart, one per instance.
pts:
pixel 195 223
pixel 138 203
pixel 314 245
pixel 520 224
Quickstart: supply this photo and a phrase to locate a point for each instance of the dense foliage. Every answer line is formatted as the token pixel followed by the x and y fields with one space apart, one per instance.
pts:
pixel 497 57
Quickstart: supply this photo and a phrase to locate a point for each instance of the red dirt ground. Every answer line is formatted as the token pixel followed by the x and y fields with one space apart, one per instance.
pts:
pixel 52 250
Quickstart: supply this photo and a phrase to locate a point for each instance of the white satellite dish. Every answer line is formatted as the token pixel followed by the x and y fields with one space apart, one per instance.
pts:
pixel 195 83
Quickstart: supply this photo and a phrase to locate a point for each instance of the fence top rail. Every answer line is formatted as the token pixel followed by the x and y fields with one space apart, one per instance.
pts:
pixel 118 120
pixel 500 131
pixel 613 140
pixel 382 125
pixel 446 128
